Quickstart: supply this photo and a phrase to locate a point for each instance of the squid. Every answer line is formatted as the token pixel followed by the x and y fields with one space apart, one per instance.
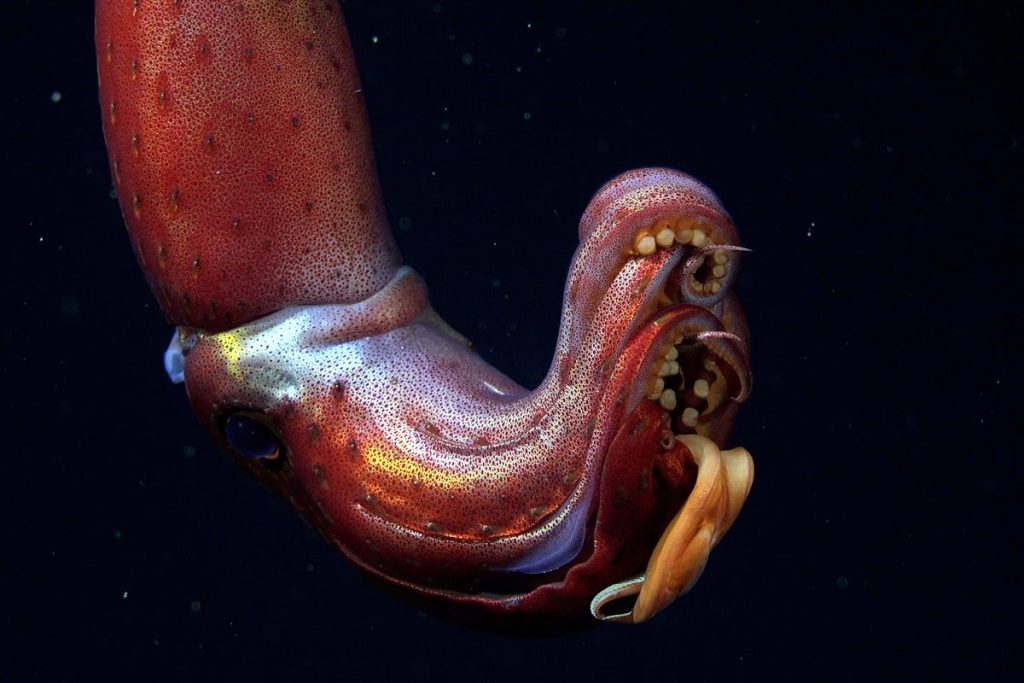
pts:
pixel 240 153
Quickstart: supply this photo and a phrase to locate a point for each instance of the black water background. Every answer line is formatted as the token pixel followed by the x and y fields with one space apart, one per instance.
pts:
pixel 871 160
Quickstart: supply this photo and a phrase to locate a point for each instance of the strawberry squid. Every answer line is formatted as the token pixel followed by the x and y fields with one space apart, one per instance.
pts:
pixel 241 155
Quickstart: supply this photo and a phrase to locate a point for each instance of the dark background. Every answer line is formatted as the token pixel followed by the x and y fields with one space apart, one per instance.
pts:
pixel 872 161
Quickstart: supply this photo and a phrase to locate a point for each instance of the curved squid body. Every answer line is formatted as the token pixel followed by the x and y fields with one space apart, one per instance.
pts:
pixel 241 154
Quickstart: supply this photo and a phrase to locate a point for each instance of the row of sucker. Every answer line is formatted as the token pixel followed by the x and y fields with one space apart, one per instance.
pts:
pixel 708 275
pixel 686 382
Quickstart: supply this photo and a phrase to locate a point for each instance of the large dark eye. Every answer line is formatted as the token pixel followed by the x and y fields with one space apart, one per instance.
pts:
pixel 251 438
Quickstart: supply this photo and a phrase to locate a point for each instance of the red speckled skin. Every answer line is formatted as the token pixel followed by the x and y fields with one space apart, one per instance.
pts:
pixel 426 467
pixel 241 156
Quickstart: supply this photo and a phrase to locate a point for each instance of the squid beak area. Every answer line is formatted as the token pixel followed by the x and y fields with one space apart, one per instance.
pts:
pixel 723 482
pixel 695 375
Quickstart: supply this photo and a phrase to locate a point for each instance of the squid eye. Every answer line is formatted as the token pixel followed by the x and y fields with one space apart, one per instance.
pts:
pixel 251 438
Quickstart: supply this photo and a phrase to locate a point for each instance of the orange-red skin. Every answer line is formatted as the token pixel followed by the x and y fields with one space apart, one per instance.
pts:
pixel 241 156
